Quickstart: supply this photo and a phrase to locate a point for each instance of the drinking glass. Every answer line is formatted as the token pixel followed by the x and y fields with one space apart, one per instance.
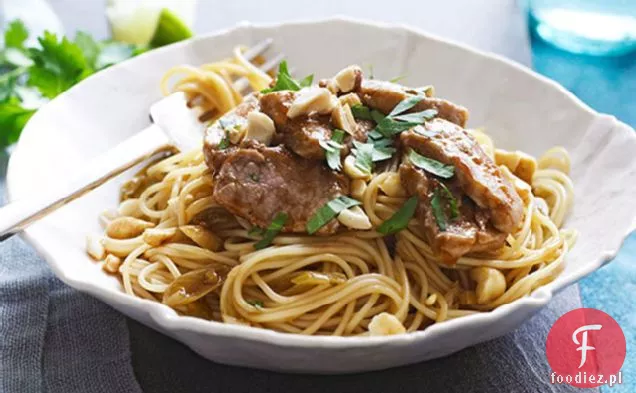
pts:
pixel 594 27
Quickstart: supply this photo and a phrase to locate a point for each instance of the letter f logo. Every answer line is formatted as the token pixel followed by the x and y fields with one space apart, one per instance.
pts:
pixel 584 347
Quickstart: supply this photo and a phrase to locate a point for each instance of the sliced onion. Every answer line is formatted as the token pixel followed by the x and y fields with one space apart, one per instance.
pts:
pixel 193 285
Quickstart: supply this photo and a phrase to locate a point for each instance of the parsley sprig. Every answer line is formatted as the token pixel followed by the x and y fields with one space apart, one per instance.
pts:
pixel 284 80
pixel 400 219
pixel 332 149
pixel 442 197
pixel 30 76
pixel 328 212
pixel 272 230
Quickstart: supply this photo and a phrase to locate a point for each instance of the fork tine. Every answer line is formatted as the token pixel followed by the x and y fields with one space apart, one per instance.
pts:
pixel 242 84
pixel 258 49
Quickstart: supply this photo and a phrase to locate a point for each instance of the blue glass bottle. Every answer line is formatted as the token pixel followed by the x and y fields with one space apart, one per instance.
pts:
pixel 593 27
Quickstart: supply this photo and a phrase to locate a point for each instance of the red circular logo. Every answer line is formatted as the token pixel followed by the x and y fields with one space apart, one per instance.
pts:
pixel 586 348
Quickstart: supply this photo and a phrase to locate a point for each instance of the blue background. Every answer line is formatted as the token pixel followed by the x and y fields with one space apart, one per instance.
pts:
pixel 608 85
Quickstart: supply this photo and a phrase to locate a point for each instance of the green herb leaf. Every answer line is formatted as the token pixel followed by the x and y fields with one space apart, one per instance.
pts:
pixel 389 127
pixel 7 88
pixel 255 302
pixel 307 81
pixel 327 213
pixel 439 212
pixel 423 131
pixel 58 65
pixel 225 142
pixel 452 202
pixel 13 117
pixel 364 156
pixel 382 153
pixel 417 117
pixel 284 81
pixel 400 219
pixel 430 165
pixel 16 58
pixel 405 105
pixel 376 116
pixel 255 177
pixel 361 112
pixel 332 149
pixel 272 230
pixel 89 47
pixel 438 209
pixel 15 35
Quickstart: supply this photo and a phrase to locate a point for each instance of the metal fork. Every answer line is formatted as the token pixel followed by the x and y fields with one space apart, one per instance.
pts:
pixel 174 125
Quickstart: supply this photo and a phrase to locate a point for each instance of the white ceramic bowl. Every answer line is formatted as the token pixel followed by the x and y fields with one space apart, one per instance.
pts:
pixel 520 109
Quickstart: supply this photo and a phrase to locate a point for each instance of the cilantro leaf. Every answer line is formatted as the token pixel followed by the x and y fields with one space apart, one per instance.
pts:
pixel 15 35
pixel 406 104
pixel 389 127
pixel 364 156
pixel 89 47
pixel 272 230
pixel 57 65
pixel 438 210
pixel 327 212
pixel 284 81
pixel 361 112
pixel 400 219
pixel 432 166
pixel 417 117
pixel 332 149
pixel 13 117
pixel 307 81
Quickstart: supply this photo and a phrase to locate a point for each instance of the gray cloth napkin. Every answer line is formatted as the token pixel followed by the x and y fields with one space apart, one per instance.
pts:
pixel 55 339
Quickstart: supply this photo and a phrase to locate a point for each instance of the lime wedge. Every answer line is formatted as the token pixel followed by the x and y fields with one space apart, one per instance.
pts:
pixel 140 21
pixel 170 29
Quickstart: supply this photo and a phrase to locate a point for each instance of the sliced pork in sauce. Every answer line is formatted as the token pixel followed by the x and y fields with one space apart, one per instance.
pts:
pixel 469 233
pixel 256 183
pixel 266 157
pixel 477 174
pixel 384 96
pixel 303 132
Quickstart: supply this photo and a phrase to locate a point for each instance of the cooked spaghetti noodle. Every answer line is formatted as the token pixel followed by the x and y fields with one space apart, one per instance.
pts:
pixel 350 283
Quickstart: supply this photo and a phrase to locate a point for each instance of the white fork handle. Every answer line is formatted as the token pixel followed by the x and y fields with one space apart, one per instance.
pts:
pixel 17 215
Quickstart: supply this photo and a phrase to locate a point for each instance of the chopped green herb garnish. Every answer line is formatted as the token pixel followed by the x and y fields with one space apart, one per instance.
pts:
pixel 256 303
pixel 406 104
pixel 382 153
pixel 307 81
pixel 423 131
pixel 452 202
pixel 400 219
pixel 417 117
pixel 272 230
pixel 376 116
pixel 284 81
pixel 430 165
pixel 255 177
pixel 361 112
pixel 439 211
pixel 389 127
pixel 327 213
pixel 364 156
pixel 332 149
pixel 225 142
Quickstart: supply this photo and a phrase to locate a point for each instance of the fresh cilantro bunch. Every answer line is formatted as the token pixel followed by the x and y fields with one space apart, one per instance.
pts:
pixel 30 76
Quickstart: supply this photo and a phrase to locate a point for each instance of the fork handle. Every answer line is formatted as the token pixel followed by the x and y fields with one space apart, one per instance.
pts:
pixel 17 215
